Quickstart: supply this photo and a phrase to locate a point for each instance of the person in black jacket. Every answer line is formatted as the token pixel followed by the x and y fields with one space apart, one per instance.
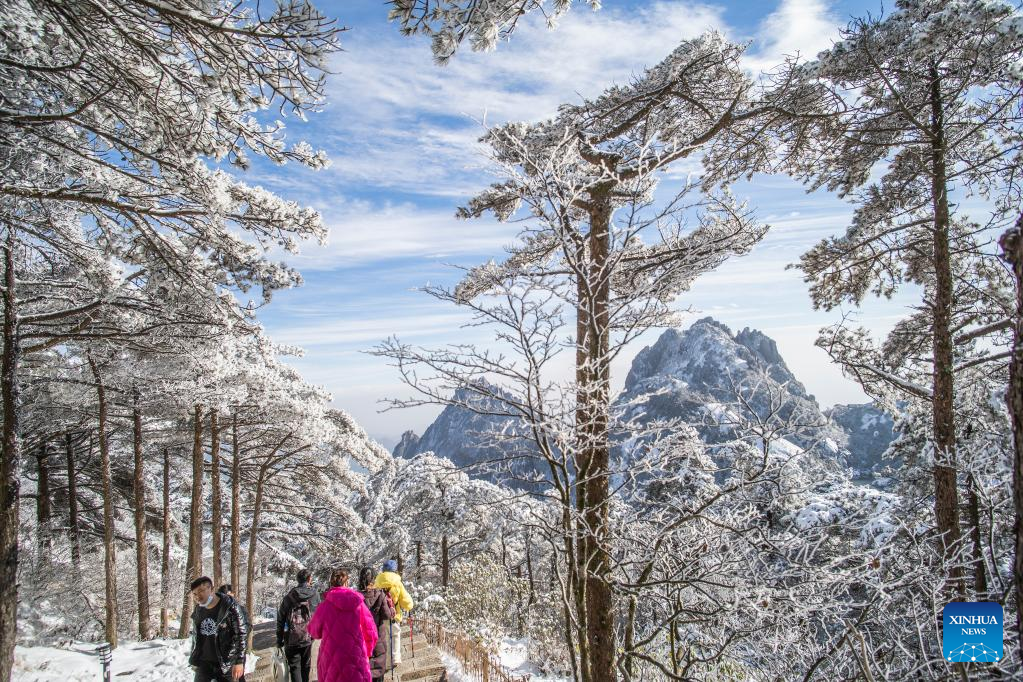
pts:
pixel 219 634
pixel 228 589
pixel 293 618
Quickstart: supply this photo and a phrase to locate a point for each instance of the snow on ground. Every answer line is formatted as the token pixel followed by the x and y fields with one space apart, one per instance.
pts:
pixel 454 668
pixel 159 660
pixel 512 655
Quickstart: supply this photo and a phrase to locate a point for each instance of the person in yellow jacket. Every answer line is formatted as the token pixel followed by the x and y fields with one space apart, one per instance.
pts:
pixel 389 580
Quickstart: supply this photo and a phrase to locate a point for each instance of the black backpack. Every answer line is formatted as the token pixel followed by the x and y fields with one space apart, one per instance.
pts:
pixel 298 625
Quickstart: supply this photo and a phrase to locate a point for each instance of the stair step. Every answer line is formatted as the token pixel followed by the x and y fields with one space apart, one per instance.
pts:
pixel 425 666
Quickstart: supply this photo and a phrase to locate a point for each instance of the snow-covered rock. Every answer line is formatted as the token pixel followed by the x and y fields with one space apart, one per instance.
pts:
pixel 870 432
pixel 473 434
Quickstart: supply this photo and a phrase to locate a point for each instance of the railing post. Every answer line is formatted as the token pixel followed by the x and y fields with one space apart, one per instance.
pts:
pixel 105 657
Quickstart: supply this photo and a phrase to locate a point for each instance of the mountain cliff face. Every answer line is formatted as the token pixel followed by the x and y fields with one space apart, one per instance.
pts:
pixel 870 432
pixel 407 446
pixel 705 376
pixel 705 370
pixel 473 439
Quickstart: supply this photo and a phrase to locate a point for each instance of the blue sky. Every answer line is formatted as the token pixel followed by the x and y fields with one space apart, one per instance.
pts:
pixel 401 133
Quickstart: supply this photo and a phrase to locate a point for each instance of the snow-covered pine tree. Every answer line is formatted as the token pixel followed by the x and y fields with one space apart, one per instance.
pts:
pixel 1012 251
pixel 598 241
pixel 932 92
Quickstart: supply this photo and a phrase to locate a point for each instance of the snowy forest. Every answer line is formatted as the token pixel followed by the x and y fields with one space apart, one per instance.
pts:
pixel 707 522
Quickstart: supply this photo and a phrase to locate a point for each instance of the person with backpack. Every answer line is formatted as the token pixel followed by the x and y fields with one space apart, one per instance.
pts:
pixel 293 617
pixel 219 634
pixel 380 605
pixel 389 581
pixel 346 632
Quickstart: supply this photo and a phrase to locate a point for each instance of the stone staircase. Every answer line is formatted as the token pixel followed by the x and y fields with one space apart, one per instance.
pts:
pixel 424 666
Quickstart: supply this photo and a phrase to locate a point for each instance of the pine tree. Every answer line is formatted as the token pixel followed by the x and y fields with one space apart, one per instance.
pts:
pixel 930 92
pixel 598 241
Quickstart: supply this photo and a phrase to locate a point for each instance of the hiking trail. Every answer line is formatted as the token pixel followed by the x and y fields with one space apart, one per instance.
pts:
pixel 425 666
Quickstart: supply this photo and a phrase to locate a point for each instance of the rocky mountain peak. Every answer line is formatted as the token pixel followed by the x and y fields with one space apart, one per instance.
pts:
pixel 683 375
pixel 683 354
pixel 408 445
pixel 706 356
pixel 761 344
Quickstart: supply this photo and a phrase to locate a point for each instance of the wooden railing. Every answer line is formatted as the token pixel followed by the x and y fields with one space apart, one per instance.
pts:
pixel 477 661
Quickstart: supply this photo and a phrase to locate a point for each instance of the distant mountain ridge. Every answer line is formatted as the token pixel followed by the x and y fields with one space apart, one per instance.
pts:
pixel 473 439
pixel 691 376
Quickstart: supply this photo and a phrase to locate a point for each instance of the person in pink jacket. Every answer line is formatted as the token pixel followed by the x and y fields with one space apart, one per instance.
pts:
pixel 347 633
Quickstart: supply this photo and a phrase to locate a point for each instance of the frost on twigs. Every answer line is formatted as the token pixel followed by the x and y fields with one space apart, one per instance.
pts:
pixel 450 23
pixel 121 131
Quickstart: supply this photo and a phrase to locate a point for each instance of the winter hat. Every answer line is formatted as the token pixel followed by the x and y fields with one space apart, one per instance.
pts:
pixel 391 565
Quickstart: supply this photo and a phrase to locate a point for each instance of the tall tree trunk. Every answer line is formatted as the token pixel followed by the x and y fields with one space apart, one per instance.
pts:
pixel 72 503
pixel 401 564
pixel 141 543
pixel 10 465
pixel 193 566
pixel 529 571
pixel 596 446
pixel 250 568
pixel 567 614
pixel 43 499
pixel 419 559
pixel 1012 251
pixel 217 525
pixel 165 554
pixel 109 546
pixel 946 493
pixel 976 539
pixel 581 538
pixel 445 566
pixel 236 499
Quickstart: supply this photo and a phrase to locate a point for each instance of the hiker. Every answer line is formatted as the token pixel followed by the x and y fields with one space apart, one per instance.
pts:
pixel 219 634
pixel 347 633
pixel 380 606
pixel 390 581
pixel 228 589
pixel 293 616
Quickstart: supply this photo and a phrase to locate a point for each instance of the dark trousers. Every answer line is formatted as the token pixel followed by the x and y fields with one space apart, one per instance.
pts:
pixel 299 658
pixel 210 672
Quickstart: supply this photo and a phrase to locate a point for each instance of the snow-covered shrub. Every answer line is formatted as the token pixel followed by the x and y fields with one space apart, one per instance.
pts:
pixel 58 603
pixel 481 599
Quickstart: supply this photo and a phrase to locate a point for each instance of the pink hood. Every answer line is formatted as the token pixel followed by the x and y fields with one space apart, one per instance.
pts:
pixel 348 635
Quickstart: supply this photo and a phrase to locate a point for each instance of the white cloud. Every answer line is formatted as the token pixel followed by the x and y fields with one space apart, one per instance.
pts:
pixel 401 123
pixel 359 333
pixel 796 27
pixel 398 122
pixel 362 233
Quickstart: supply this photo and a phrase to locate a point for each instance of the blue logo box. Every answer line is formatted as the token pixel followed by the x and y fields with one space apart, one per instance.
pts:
pixel 972 632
